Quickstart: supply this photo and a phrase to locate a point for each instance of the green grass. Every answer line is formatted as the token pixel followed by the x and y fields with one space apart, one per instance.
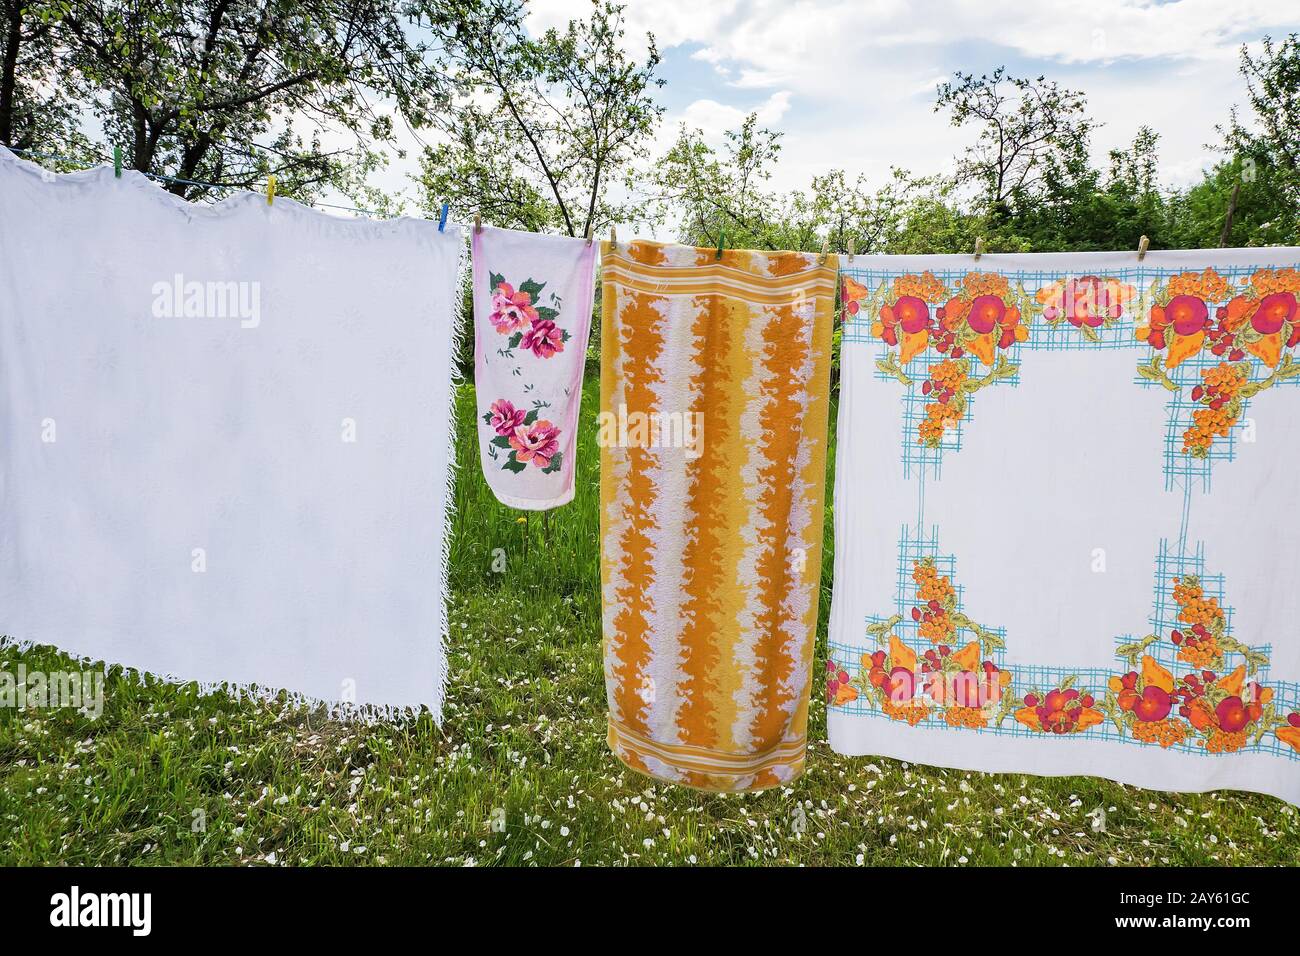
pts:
pixel 169 775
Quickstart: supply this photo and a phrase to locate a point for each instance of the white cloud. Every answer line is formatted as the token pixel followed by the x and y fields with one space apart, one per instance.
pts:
pixel 715 118
pixel 807 43
pixel 862 75
pixel 673 22
pixel 851 83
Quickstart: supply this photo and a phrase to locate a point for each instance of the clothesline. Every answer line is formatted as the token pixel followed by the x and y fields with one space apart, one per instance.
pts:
pixel 1143 243
pixel 159 177
pixel 442 217
pixel 963 634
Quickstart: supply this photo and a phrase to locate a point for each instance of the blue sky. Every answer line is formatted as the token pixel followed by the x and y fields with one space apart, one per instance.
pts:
pixel 851 84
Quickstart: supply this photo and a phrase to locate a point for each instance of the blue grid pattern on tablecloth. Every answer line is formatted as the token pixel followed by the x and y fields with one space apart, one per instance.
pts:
pixel 1039 678
pixel 1180 469
pixel 1044 336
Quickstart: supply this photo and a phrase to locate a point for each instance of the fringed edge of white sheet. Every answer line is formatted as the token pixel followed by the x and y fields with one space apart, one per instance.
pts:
pixel 288 700
pixel 456 378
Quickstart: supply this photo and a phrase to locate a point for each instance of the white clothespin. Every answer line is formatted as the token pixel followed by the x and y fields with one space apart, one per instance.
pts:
pixel 979 248
pixel 826 245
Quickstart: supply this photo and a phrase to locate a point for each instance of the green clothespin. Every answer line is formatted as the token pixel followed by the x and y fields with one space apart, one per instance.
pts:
pixel 117 161
pixel 722 238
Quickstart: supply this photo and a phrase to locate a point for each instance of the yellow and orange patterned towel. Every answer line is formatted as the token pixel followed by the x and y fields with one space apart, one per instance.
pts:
pixel 713 431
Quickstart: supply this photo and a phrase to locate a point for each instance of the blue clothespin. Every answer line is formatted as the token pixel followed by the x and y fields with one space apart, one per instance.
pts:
pixel 117 161
pixel 442 218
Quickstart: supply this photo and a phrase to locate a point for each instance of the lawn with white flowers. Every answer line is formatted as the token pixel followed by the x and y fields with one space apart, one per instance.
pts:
pixel 519 772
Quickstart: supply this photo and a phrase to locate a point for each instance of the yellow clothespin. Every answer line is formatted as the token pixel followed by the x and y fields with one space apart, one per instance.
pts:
pixel 1142 248
pixel 270 189
pixel 979 248
pixel 613 238
pixel 826 245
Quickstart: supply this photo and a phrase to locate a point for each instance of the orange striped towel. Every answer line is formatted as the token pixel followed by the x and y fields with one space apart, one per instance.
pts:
pixel 714 391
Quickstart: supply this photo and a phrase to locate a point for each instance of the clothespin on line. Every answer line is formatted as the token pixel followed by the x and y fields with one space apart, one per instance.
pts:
pixel 613 238
pixel 117 162
pixel 1142 248
pixel 979 247
pixel 478 222
pixel 442 217
pixel 589 233
pixel 853 248
pixel 270 189
pixel 722 239
pixel 826 246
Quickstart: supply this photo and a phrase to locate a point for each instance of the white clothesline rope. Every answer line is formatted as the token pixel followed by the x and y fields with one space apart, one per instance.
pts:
pixel 159 177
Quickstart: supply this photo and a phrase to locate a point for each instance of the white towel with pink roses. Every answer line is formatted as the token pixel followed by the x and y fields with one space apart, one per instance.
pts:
pixel 532 316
